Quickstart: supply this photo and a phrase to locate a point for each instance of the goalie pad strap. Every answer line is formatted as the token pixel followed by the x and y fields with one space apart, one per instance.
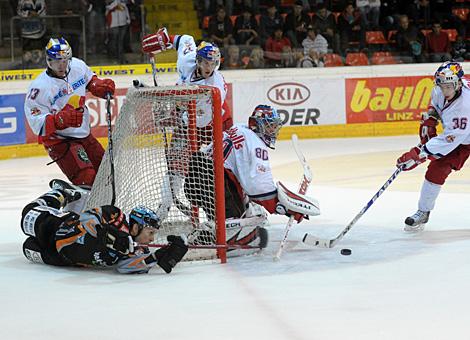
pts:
pixel 296 202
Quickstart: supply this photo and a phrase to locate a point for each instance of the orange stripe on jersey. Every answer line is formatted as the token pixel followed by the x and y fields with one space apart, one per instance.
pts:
pixel 137 263
pixel 68 241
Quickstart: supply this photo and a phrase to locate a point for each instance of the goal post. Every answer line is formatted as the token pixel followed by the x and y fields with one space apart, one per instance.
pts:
pixel 159 134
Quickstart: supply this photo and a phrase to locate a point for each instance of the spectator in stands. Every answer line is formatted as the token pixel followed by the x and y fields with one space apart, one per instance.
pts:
pixel 33 30
pixel 256 58
pixel 288 57
pixel 246 28
pixel 442 11
pixel 118 20
pixel 351 28
pixel 232 61
pixel 409 41
pixel 221 28
pixel 419 11
pixel 370 13
pixel 296 24
pixel 390 12
pixel 315 41
pixel 459 49
pixel 275 46
pixel 71 27
pixel 268 23
pixel 311 59
pixel 324 23
pixel 438 45
pixel 95 24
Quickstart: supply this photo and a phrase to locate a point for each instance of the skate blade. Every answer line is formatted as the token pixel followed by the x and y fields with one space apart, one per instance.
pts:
pixel 414 229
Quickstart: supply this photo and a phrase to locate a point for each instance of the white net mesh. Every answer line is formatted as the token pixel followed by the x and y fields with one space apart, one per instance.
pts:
pixel 157 163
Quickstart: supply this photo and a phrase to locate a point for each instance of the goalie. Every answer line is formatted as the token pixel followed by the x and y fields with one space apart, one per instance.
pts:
pixel 97 237
pixel 248 176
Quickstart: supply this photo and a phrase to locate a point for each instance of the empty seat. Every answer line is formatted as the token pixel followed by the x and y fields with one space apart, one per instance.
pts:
pixel 383 58
pixel 461 13
pixel 375 37
pixel 332 59
pixel 356 59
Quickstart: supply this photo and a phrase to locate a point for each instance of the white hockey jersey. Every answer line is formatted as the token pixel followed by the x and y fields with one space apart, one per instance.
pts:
pixel 47 95
pixel 455 116
pixel 186 67
pixel 246 155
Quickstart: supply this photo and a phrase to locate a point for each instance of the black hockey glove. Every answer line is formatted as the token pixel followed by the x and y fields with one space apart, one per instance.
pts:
pixel 113 238
pixel 168 257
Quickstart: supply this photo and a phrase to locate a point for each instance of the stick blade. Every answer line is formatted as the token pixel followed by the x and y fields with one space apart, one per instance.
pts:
pixel 316 242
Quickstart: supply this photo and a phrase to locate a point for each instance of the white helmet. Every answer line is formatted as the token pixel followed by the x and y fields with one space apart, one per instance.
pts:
pixel 449 72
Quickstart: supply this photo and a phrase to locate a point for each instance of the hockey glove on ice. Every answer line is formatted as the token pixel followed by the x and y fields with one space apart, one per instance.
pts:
pixel 168 257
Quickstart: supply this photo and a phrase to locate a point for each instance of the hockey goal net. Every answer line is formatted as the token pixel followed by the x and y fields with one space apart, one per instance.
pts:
pixel 155 138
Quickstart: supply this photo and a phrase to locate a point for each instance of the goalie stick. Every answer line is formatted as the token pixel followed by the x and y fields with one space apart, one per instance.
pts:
pixel 326 243
pixel 303 186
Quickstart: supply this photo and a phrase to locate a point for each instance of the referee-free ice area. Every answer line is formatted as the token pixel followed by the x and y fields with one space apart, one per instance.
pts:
pixel 393 286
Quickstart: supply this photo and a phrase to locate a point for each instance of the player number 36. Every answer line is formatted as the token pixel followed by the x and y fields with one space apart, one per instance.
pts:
pixel 460 123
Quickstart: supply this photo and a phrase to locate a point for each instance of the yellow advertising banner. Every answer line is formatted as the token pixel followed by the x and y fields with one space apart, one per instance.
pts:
pixel 101 71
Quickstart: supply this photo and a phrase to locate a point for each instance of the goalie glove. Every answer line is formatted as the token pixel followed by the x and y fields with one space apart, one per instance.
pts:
pixel 295 204
pixel 157 42
pixel 427 126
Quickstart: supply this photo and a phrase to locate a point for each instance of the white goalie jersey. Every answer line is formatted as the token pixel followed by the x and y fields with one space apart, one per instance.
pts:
pixel 246 155
pixel 455 116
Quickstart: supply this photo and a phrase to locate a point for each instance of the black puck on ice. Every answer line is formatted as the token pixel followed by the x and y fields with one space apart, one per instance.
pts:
pixel 345 251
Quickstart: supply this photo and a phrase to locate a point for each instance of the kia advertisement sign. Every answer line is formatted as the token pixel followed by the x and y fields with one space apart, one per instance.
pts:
pixel 302 103
pixel 387 99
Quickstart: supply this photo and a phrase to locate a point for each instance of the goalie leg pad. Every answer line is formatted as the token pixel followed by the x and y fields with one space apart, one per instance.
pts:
pixel 296 202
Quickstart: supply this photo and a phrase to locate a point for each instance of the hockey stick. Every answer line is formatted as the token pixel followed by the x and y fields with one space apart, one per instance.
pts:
pixel 304 183
pixel 212 246
pixel 110 147
pixel 325 243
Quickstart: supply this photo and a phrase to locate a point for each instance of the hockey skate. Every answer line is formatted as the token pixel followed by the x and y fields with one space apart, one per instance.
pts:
pixel 416 222
pixel 71 192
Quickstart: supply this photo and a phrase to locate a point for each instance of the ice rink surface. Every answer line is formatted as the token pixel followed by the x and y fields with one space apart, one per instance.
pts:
pixel 393 286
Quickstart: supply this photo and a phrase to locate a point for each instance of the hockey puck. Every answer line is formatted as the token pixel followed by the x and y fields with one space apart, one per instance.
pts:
pixel 345 251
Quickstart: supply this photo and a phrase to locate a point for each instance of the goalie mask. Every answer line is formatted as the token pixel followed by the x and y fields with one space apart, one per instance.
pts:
pixel 266 123
pixel 145 218
pixel 448 77
pixel 58 56
pixel 207 58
